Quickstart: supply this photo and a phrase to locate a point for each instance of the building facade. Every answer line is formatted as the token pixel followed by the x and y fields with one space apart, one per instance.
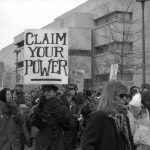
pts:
pixel 101 33
pixel 8 56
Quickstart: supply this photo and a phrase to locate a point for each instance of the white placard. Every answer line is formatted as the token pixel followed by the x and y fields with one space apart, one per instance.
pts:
pixel 77 77
pixel 81 63
pixel 46 56
pixel 113 72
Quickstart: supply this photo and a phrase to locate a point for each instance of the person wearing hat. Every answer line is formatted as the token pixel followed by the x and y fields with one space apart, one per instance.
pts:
pixel 145 87
pixel 68 99
pixel 18 95
pixel 51 117
pixel 34 96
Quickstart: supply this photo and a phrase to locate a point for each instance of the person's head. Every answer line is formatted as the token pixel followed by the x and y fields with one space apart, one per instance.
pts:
pixel 134 90
pixel 98 93
pixel 146 99
pixel 71 89
pixel 27 96
pixel 6 95
pixel 49 91
pixel 75 88
pixel 34 94
pixel 145 87
pixel 113 93
pixel 89 93
pixel 19 88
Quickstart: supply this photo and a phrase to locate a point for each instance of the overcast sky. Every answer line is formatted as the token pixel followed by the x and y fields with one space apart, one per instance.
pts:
pixel 18 15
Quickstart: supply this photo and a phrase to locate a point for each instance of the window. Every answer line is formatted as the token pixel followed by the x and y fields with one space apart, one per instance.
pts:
pixel 126 16
pixel 102 78
pixel 126 76
pixel 79 52
pixel 87 84
pixel 20 44
pixel 126 46
pixel 114 47
pixel 114 16
pixel 20 64
pixel 100 50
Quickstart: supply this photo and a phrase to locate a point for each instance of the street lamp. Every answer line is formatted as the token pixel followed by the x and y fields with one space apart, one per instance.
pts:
pixel 143 41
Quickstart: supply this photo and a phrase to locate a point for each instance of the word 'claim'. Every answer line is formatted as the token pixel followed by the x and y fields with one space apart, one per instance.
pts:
pixel 53 38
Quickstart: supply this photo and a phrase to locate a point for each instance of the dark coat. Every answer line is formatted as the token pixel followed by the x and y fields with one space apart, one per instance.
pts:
pixel 19 99
pixel 9 129
pixel 100 134
pixel 70 135
pixel 50 135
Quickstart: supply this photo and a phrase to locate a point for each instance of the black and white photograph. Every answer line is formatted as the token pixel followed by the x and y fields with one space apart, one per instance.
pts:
pixel 75 75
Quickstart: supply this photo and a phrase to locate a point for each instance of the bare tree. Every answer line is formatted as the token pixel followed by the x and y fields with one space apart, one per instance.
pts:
pixel 118 35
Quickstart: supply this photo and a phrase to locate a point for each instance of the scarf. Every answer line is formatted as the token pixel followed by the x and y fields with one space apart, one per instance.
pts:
pixel 4 108
pixel 119 115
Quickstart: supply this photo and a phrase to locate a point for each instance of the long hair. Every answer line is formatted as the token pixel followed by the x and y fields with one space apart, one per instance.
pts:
pixel 109 93
pixel 3 94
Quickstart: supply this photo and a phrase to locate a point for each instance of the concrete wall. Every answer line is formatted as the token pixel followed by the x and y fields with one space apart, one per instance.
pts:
pixel 84 20
pixel 7 56
pixel 79 25
pixel 18 38
pixel 79 39
pixel 112 32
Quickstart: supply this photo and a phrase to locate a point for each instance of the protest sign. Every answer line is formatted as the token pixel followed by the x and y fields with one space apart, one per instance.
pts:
pixel 81 63
pixel 77 77
pixel 113 72
pixel 46 56
pixel 1 73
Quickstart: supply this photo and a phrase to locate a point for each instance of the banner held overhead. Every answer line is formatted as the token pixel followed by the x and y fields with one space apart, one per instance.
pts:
pixel 46 56
pixel 77 77
pixel 113 72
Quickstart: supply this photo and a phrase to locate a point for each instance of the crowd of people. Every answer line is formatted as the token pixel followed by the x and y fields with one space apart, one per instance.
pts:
pixel 52 118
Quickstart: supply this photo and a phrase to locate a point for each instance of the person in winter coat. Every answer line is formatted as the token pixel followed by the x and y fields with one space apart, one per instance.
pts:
pixel 51 117
pixel 108 128
pixel 68 98
pixel 135 103
pixel 9 127
pixel 142 131
pixel 145 87
pixel 18 95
